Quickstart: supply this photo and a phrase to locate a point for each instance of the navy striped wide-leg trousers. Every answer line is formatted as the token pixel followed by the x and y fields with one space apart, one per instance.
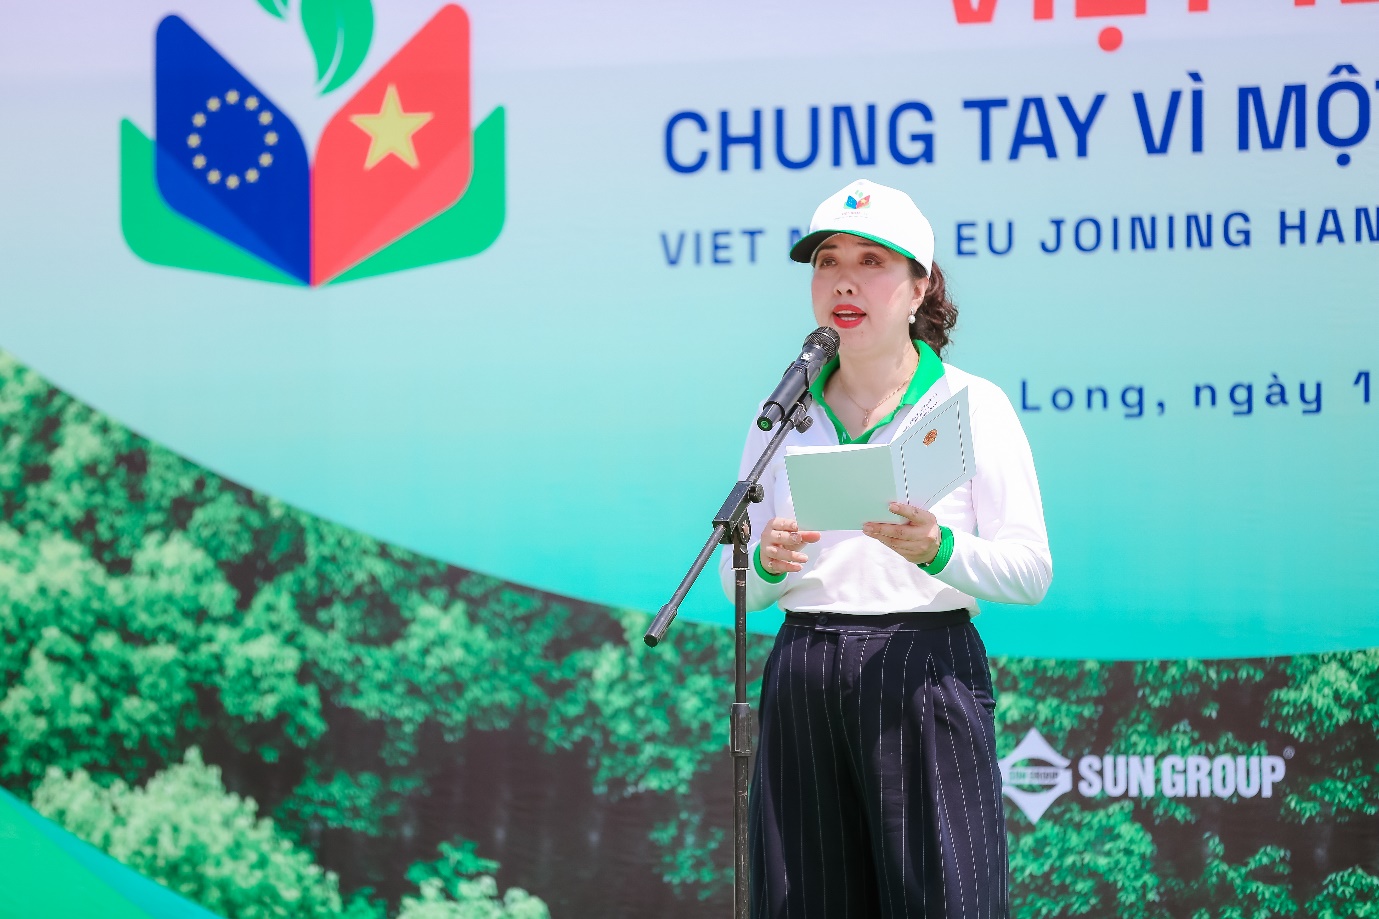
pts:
pixel 876 790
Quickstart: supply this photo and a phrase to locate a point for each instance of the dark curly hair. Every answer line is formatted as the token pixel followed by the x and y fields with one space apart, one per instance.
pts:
pixel 937 315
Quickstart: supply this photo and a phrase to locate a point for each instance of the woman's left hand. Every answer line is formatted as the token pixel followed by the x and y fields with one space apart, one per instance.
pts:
pixel 916 540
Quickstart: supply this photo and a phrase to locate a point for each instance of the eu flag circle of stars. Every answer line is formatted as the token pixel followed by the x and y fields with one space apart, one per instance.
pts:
pixel 214 105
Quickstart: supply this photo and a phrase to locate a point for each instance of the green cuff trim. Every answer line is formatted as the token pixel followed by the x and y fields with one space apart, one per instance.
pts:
pixel 762 573
pixel 945 552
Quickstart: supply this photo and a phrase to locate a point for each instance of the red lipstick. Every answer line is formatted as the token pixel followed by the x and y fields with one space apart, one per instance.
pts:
pixel 847 316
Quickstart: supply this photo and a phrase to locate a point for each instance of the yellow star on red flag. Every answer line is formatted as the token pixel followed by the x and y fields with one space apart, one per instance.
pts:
pixel 390 130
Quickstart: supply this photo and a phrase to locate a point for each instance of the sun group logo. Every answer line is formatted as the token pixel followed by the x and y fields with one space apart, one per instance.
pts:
pixel 1035 775
pixel 1020 776
pixel 400 178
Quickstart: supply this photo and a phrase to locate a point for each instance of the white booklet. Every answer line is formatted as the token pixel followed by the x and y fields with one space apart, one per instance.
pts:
pixel 841 488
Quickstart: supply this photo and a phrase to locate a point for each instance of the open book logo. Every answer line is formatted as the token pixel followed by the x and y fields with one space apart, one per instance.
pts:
pixel 931 436
pixel 400 178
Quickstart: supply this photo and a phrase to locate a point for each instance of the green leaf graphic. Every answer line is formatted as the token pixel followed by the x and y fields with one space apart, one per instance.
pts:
pixel 339 32
pixel 276 7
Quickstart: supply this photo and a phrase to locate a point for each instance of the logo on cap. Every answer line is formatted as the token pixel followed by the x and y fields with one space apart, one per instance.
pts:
pixel 854 203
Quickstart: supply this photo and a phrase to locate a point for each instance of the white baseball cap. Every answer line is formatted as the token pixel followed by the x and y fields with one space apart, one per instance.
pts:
pixel 877 212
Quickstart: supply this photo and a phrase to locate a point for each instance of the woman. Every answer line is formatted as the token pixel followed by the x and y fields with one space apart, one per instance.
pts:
pixel 877 790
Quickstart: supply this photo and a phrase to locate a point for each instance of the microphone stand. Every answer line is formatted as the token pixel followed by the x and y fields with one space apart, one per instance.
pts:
pixel 733 525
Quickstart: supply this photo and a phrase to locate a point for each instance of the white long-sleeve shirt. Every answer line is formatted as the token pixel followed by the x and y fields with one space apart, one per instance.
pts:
pixel 1000 544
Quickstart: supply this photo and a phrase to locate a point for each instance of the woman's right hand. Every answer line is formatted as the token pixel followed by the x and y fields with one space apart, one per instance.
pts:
pixel 780 544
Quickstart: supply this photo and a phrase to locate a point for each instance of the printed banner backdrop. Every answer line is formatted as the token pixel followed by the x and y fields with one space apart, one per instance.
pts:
pixel 375 368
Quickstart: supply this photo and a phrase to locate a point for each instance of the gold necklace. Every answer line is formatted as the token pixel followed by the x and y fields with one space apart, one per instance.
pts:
pixel 867 412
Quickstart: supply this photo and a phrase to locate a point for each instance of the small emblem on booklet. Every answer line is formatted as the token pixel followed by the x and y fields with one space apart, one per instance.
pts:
pixel 930 437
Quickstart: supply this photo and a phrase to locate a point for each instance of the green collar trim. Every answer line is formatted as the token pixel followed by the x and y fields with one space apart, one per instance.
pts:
pixel 927 373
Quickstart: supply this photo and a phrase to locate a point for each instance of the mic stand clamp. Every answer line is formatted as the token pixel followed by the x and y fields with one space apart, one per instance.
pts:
pixel 732 524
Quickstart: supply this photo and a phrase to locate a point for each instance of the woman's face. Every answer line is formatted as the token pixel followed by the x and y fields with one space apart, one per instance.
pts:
pixel 865 291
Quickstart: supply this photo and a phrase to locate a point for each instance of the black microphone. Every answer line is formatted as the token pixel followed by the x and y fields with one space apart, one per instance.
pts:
pixel 819 348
